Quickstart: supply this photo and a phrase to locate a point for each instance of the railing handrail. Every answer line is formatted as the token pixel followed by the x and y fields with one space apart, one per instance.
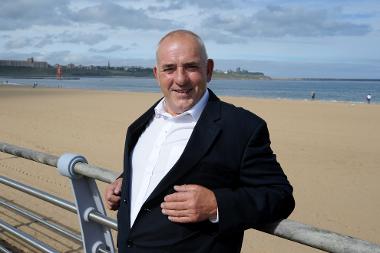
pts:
pixel 319 238
pixel 287 229
pixel 84 169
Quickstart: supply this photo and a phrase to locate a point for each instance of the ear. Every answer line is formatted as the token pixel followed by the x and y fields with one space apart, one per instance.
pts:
pixel 155 72
pixel 210 69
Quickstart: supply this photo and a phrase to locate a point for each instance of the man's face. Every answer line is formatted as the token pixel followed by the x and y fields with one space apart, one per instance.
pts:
pixel 182 72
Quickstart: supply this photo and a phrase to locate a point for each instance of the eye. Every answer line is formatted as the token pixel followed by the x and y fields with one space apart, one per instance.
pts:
pixel 168 69
pixel 192 67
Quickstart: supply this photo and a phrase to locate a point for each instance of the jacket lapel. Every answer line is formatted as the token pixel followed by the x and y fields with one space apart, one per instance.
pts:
pixel 136 129
pixel 202 138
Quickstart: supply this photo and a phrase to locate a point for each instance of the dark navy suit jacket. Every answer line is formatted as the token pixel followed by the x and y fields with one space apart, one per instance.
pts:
pixel 228 152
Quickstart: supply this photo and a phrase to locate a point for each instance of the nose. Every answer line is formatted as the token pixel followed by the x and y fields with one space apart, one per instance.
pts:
pixel 180 76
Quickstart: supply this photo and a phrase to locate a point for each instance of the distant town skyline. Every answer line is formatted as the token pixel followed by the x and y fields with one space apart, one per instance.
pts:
pixel 290 38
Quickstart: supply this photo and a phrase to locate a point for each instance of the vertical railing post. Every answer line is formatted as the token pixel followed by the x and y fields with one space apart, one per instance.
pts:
pixel 88 200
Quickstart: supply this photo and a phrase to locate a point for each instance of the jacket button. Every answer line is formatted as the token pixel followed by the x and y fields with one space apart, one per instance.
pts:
pixel 129 243
pixel 125 201
pixel 147 210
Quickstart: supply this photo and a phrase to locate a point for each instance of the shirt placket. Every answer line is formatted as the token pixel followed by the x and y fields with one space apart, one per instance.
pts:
pixel 152 161
pixel 156 154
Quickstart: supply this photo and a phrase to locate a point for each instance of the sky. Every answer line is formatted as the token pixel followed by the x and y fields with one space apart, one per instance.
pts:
pixel 288 38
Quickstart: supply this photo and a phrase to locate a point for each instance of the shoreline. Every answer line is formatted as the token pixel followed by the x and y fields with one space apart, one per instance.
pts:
pixel 216 78
pixel 159 92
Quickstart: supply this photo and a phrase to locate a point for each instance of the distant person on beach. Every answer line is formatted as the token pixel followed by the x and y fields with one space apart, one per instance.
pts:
pixel 197 171
pixel 369 97
pixel 35 84
pixel 312 95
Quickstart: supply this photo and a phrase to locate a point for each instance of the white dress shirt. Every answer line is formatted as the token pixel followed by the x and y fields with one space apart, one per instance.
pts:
pixel 158 149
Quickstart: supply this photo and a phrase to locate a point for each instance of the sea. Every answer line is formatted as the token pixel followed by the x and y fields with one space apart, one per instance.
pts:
pixel 351 91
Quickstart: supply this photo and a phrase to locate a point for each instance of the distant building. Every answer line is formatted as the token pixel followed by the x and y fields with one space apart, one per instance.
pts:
pixel 30 62
pixel 71 66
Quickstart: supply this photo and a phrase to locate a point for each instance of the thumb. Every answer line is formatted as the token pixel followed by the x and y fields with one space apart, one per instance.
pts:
pixel 117 188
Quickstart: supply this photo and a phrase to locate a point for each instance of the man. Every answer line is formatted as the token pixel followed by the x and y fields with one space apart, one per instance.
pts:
pixel 197 171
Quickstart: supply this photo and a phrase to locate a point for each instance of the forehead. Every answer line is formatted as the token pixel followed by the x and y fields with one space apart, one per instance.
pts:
pixel 179 48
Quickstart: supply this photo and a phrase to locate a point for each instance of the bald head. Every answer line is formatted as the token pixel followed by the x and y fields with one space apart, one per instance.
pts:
pixel 182 70
pixel 183 34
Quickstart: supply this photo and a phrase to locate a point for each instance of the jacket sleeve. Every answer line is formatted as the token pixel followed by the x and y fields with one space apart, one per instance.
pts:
pixel 263 195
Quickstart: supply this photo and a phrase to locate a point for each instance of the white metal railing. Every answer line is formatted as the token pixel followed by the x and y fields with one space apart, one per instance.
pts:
pixel 93 216
pixel 94 224
pixel 305 234
pixel 41 220
pixel 27 238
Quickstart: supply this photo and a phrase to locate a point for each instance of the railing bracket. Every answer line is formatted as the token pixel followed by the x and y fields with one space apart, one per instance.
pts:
pixel 87 200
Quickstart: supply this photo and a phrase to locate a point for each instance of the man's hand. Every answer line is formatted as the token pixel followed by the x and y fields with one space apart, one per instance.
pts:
pixel 112 194
pixel 190 203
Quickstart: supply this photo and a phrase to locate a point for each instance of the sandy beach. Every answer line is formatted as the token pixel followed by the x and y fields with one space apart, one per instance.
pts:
pixel 330 152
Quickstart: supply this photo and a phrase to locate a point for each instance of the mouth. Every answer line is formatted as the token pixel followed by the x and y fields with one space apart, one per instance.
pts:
pixel 183 91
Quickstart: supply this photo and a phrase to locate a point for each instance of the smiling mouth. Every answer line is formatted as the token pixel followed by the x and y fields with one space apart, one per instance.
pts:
pixel 183 91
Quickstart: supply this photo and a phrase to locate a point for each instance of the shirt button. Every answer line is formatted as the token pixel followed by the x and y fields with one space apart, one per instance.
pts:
pixel 125 201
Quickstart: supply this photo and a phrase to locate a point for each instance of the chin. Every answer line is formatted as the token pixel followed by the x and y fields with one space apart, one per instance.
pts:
pixel 184 107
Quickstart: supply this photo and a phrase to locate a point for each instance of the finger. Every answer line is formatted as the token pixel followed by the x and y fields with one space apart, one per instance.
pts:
pixel 114 198
pixel 113 207
pixel 177 197
pixel 186 187
pixel 117 188
pixel 174 205
pixel 114 202
pixel 110 205
pixel 109 193
pixel 109 190
pixel 176 213
pixel 180 219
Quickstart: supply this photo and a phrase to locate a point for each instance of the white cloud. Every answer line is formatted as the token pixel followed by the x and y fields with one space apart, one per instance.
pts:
pixel 95 31
pixel 276 21
pixel 22 14
pixel 86 38
pixel 16 44
pixel 115 15
pixel 202 4
pixel 66 37
pixel 110 49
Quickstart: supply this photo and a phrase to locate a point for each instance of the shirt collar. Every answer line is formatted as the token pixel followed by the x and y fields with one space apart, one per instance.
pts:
pixel 194 112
